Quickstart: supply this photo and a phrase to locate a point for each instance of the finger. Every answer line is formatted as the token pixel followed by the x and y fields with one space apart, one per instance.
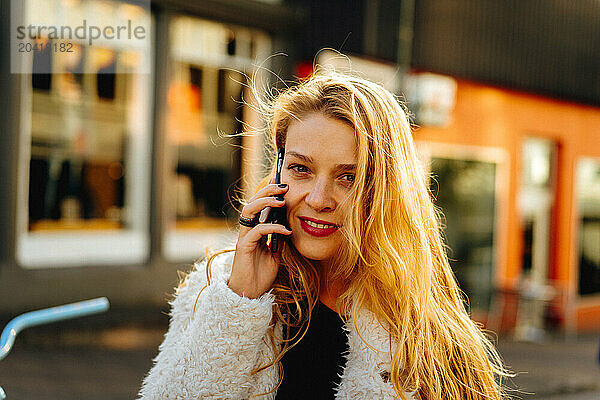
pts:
pixel 270 190
pixel 261 230
pixel 252 209
pixel 264 214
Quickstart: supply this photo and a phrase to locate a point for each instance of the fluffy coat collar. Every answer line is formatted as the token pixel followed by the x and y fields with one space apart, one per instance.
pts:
pixel 210 349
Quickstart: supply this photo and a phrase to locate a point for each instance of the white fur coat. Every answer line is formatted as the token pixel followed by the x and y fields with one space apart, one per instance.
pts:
pixel 210 353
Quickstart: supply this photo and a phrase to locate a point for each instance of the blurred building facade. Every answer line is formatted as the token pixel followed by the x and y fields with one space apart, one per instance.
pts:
pixel 114 181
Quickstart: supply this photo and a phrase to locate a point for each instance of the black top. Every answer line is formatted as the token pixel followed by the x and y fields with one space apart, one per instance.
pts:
pixel 313 367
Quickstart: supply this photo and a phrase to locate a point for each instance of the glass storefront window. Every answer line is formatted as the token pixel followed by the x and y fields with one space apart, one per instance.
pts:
pixel 588 202
pixel 86 147
pixel 464 184
pixel 536 198
pixel 206 95
pixel 466 193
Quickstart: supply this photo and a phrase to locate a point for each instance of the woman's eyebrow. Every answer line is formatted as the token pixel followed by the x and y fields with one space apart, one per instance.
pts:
pixel 300 156
pixel 308 159
pixel 346 167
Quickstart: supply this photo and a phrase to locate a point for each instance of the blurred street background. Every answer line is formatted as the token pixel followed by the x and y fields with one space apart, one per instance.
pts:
pixel 119 167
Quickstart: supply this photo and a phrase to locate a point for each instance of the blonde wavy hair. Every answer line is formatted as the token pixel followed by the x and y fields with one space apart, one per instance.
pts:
pixel 394 261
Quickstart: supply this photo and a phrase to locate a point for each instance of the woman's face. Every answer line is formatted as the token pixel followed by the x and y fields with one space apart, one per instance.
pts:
pixel 319 167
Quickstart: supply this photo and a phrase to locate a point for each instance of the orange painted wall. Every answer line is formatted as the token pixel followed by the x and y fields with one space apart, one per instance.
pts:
pixel 489 116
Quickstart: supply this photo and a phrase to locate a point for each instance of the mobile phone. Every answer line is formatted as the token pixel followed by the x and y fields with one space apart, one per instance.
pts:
pixel 277 214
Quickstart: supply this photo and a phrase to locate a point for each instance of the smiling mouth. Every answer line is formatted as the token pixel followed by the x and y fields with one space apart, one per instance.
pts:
pixel 320 226
pixel 317 229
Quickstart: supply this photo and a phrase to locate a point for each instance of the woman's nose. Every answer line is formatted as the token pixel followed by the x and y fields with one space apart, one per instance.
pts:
pixel 320 198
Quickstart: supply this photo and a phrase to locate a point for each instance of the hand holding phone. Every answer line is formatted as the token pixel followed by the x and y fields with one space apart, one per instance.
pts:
pixel 255 263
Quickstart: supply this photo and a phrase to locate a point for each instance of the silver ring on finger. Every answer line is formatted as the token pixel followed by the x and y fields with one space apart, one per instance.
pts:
pixel 249 222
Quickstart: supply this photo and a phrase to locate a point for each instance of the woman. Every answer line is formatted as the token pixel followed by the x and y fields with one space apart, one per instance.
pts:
pixel 364 241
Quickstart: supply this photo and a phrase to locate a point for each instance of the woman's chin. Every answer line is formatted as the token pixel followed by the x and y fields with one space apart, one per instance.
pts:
pixel 313 252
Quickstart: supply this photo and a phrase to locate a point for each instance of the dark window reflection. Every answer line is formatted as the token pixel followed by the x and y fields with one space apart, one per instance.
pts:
pixel 105 80
pixel 208 163
pixel 588 198
pixel 527 246
pixel 78 145
pixel 231 43
pixel 196 77
pixel 465 190
pixel 73 189
pixel 589 256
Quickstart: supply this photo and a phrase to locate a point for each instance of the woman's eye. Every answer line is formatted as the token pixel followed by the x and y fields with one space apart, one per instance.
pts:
pixel 298 168
pixel 348 177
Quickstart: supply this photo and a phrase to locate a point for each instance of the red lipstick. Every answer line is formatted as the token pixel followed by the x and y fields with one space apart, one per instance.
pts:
pixel 316 231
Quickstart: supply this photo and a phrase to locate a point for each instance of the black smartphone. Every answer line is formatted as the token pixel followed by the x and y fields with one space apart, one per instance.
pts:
pixel 277 214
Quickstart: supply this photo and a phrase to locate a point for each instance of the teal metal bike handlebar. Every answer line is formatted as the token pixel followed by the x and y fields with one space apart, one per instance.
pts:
pixel 46 316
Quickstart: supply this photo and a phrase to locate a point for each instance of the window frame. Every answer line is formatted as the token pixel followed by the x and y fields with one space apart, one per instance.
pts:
pixel 82 248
